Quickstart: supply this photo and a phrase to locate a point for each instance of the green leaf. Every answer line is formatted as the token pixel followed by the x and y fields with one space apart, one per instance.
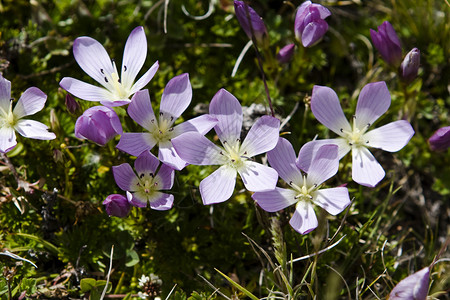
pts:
pixel 238 286
pixel 87 284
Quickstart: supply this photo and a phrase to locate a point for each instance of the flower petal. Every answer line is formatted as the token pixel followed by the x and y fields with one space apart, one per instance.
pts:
pixel 7 139
pixel 168 155
pixel 146 163
pixel 365 168
pixel 134 143
pixel 125 177
pixel 134 56
pixel 5 93
pixel 142 82
pixel 165 177
pixel 176 96
pixel 196 149
pixel 92 57
pixel 201 124
pixel 304 219
pixel 257 177
pixel 219 186
pixel 34 130
pixel 313 32
pixel 137 199
pixel 31 101
pixel 414 286
pixel 141 111
pixel 85 90
pixel 276 199
pixel 374 100
pixel 309 150
pixel 333 200
pixel 391 137
pixel 262 137
pixel 327 109
pixel 282 159
pixel 324 165
pixel 228 111
pixel 162 201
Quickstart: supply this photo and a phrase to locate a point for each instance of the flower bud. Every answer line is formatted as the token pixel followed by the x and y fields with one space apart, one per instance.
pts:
pixel 243 14
pixel 117 205
pixel 440 140
pixel 98 124
pixel 285 54
pixel 309 25
pixel 387 43
pixel 410 65
pixel 71 104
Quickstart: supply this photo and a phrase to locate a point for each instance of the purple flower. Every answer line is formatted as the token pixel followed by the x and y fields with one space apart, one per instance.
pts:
pixel 285 54
pixel 414 286
pixel 373 101
pixel 243 13
pixel 117 205
pixel 31 101
pixel 98 124
pixel 309 25
pixel 160 131
pixel 234 156
pixel 71 104
pixel 304 190
pixel 440 140
pixel 95 61
pixel 410 65
pixel 387 43
pixel 147 186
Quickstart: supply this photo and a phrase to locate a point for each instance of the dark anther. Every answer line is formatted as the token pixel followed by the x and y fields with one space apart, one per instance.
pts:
pixel 171 118
pixel 119 80
pixel 152 175
pixel 351 144
pixel 138 184
pixel 12 99
pixel 342 130
pixel 160 113
pixel 224 142
pixel 245 153
pixel 367 142
pixel 101 70
pixel 171 129
pixel 233 160
pixel 290 182
pixel 354 116
pixel 221 153
pixel 106 79
pixel 124 68
pixel 315 185
pixel 153 121
pixel 141 176
pixel 368 124
pixel 238 140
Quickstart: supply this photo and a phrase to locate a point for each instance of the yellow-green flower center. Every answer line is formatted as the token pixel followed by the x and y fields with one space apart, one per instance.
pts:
pixel 7 118
pixel 236 157
pixel 162 130
pixel 304 192
pixel 355 137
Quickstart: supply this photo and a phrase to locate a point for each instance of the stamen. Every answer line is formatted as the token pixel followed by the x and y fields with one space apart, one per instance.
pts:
pixel 106 79
pixel 342 130
pixel 161 113
pixel 101 70
pixel 171 118
pixel 124 68
pixel 152 175
pixel 171 129
pixel 119 81
pixel 153 121
pixel 221 153
pixel 142 175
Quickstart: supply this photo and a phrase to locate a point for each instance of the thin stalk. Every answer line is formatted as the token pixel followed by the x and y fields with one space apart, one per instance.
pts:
pixel 12 169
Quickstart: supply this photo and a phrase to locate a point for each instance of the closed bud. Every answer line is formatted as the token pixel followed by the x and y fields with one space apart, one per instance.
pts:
pixel 440 140
pixel 387 43
pixel 309 25
pixel 244 13
pixel 285 54
pixel 72 104
pixel 98 124
pixel 117 205
pixel 410 65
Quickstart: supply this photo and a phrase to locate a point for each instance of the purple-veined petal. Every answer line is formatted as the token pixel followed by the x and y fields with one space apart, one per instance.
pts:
pixel 365 168
pixel 7 139
pixel 262 137
pixel 176 97
pixel 201 124
pixel 333 200
pixel 146 163
pixel 134 56
pixel 219 186
pixel 134 143
pixel 276 199
pixel 327 109
pixel 196 149
pixel 373 101
pixel 440 140
pixel 34 130
pixel 92 57
pixel 313 32
pixel 228 111
pixel 85 90
pixel 304 219
pixel 391 137
pixel 137 199
pixel 125 177
pixel 324 165
pixel 165 177
pixel 5 93
pixel 168 155
pixel 309 150
pixel 413 287
pixel 282 159
pixel 163 201
pixel 31 101
pixel 257 177
pixel 113 103
pixel 141 111
pixel 142 82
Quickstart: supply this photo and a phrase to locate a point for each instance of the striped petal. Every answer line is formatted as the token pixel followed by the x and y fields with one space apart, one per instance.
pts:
pixel 324 165
pixel 333 200
pixel 145 79
pixel 141 111
pixel 365 168
pixel 133 56
pixel 7 139
pixel 125 177
pixel 304 219
pixel 34 130
pixel 309 150
pixel 374 100
pixel 196 149
pixel 391 137
pixel 31 101
pixel 134 143
pixel 168 155
pixel 262 137
pixel 176 97
pixel 219 186
pixel 276 199
pixel 257 177
pixel 85 90
pixel 282 159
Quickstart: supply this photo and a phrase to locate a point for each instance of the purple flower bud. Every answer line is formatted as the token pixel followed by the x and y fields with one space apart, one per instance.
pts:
pixel 387 43
pixel 285 54
pixel 71 104
pixel 309 26
pixel 440 140
pixel 117 205
pixel 243 14
pixel 414 286
pixel 98 124
pixel 410 65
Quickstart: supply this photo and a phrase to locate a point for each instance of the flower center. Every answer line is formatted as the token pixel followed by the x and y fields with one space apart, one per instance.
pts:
pixel 163 130
pixel 355 137
pixel 234 155
pixel 114 83
pixel 147 185
pixel 7 117
pixel 304 192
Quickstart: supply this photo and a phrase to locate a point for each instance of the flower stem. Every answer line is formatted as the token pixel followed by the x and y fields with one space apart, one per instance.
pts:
pixel 12 169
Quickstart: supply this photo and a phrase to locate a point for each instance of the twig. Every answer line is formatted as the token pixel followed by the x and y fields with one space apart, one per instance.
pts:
pixel 318 252
pixel 240 57
pixel 109 273
pixel 198 18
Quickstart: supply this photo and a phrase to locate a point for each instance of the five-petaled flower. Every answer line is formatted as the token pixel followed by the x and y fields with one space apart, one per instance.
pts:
pixel 31 101
pixel 95 61
pixel 304 190
pixel 233 156
pixel 373 101
pixel 175 99
pixel 148 185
